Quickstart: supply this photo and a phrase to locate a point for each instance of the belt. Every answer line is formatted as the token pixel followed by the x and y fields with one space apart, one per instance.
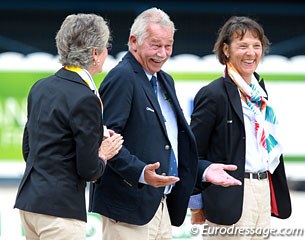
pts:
pixel 259 175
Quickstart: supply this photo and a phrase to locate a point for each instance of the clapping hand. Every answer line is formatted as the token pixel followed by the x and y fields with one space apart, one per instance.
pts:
pixel 111 146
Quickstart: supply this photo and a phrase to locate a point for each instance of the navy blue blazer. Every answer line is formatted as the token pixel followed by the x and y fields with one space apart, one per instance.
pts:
pixel 60 146
pixel 218 125
pixel 131 109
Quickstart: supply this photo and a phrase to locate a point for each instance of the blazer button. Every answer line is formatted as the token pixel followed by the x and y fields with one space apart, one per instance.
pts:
pixel 167 147
pixel 163 174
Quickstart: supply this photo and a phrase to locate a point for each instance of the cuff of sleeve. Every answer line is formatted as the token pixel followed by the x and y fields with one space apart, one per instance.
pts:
pixel 204 174
pixel 195 202
pixel 142 179
pixel 103 160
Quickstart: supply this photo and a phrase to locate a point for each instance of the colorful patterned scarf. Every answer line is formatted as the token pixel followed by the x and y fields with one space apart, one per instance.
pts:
pixel 266 122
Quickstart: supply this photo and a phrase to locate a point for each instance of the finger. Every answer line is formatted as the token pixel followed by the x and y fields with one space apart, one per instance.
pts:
pixel 107 140
pixel 116 145
pixel 163 181
pixel 229 167
pixel 118 142
pixel 235 182
pixel 115 137
pixel 231 181
pixel 170 179
pixel 167 180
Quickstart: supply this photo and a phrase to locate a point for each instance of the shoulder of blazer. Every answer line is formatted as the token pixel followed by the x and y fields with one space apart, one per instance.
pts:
pixel 126 73
pixel 215 86
pixel 70 76
pixel 130 61
pixel 166 76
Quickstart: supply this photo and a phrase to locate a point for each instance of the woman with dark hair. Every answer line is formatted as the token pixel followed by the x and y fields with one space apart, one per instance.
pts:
pixel 234 123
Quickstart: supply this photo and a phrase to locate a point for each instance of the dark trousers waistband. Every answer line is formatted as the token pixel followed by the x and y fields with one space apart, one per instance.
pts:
pixel 259 175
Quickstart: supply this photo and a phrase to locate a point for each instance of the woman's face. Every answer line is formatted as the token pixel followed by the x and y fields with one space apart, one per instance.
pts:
pixel 244 54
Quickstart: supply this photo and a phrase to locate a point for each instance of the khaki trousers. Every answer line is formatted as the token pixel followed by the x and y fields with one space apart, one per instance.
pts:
pixel 256 215
pixel 45 227
pixel 159 228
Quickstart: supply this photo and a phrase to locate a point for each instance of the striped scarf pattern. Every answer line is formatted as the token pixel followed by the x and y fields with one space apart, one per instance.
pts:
pixel 266 123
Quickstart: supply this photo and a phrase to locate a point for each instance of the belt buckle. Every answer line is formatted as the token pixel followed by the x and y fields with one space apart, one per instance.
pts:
pixel 258 176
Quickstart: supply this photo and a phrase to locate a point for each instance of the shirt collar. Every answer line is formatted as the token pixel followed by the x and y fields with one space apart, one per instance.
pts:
pixel 149 75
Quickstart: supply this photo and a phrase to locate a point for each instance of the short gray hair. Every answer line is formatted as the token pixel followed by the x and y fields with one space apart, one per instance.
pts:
pixel 152 15
pixel 78 35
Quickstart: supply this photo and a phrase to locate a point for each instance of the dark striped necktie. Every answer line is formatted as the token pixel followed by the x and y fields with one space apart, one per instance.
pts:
pixel 153 82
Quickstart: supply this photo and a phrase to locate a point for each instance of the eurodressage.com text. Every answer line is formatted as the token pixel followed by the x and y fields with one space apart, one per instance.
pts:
pixel 233 230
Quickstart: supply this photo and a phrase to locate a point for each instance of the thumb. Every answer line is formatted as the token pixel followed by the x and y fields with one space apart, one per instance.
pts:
pixel 153 166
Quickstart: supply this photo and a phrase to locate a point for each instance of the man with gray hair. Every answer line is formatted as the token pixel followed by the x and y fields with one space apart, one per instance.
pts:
pixel 146 187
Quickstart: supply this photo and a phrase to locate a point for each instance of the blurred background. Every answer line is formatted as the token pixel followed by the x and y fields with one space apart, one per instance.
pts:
pixel 28 26
pixel 28 53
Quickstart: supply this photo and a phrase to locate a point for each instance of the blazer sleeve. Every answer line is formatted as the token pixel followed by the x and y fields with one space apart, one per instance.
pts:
pixel 203 120
pixel 25 143
pixel 25 138
pixel 85 123
pixel 202 123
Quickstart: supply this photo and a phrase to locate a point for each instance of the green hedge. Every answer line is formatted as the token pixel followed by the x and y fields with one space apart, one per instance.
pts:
pixel 14 87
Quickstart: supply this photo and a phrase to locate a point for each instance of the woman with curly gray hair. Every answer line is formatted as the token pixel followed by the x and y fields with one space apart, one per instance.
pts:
pixel 83 41
pixel 63 142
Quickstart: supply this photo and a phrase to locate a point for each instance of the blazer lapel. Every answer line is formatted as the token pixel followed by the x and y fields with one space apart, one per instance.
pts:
pixel 234 94
pixel 234 97
pixel 171 94
pixel 149 92
pixel 153 100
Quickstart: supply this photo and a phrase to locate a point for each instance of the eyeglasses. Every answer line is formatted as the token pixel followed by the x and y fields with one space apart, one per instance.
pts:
pixel 109 46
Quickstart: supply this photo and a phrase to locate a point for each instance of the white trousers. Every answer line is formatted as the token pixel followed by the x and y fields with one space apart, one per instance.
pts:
pixel 256 215
pixel 45 227
pixel 159 228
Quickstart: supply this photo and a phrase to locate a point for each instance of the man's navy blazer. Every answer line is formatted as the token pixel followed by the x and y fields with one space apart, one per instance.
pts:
pixel 131 109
